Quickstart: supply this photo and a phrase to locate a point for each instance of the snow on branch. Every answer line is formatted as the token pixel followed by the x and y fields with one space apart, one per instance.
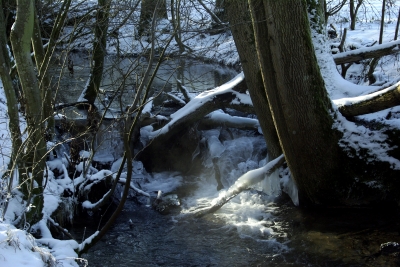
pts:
pixel 219 117
pixel 205 103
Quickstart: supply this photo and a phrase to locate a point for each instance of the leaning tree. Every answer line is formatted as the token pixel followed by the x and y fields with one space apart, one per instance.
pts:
pixel 303 115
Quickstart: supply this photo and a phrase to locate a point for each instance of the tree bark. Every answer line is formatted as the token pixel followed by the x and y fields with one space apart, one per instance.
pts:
pixel 396 32
pixel 148 7
pixel 382 21
pixel 20 37
pixel 353 13
pixel 12 102
pixel 176 24
pixel 297 96
pixel 242 31
pixel 9 89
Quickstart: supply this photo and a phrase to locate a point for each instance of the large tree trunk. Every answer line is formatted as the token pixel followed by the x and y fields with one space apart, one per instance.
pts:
pixel 34 161
pixel 242 31
pixel 297 96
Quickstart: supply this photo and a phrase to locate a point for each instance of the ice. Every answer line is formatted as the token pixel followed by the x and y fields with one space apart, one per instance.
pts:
pixel 290 188
pixel 271 185
pixel 215 147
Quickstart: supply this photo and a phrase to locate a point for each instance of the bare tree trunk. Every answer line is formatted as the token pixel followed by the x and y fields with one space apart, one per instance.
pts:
pixel 99 51
pixel 12 108
pixel 396 32
pixel 353 13
pixel 146 14
pixel 297 96
pixel 176 24
pixel 242 31
pixel 382 21
pixel 20 37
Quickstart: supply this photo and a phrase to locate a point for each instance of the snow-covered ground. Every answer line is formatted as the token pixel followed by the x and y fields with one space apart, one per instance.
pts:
pixel 248 212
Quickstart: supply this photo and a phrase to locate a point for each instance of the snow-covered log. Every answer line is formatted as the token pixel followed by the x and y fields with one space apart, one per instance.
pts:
pixel 367 52
pixel 215 118
pixel 244 182
pixel 205 103
pixel 374 102
pixel 180 136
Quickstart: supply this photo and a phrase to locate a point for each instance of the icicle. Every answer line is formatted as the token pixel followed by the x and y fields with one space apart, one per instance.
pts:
pixel 290 188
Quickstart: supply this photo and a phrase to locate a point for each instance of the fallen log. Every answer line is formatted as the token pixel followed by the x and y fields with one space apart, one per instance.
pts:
pixel 179 137
pixel 244 182
pixel 380 100
pixel 367 52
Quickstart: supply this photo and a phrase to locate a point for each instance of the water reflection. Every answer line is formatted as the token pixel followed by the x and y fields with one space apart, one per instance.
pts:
pixel 121 77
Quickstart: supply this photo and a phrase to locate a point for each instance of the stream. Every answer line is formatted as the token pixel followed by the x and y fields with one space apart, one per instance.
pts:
pixel 121 77
pixel 253 229
pixel 307 239
pixel 259 227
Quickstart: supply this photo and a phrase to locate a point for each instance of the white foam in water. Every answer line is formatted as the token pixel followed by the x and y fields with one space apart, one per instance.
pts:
pixel 250 212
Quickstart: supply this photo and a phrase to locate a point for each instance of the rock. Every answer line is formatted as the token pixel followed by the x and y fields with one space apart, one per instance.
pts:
pixel 165 203
pixel 390 248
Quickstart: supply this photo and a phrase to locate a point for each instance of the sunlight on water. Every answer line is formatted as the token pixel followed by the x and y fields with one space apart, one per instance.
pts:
pixel 251 213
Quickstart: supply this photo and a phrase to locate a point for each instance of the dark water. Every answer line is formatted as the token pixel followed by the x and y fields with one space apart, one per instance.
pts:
pixel 121 77
pixel 326 237
pixel 162 240
pixel 343 236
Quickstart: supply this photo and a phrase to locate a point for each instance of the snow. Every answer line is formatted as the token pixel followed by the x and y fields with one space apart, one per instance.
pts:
pixel 166 182
pixel 198 101
pixel 367 49
pixel 215 147
pixel 18 248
